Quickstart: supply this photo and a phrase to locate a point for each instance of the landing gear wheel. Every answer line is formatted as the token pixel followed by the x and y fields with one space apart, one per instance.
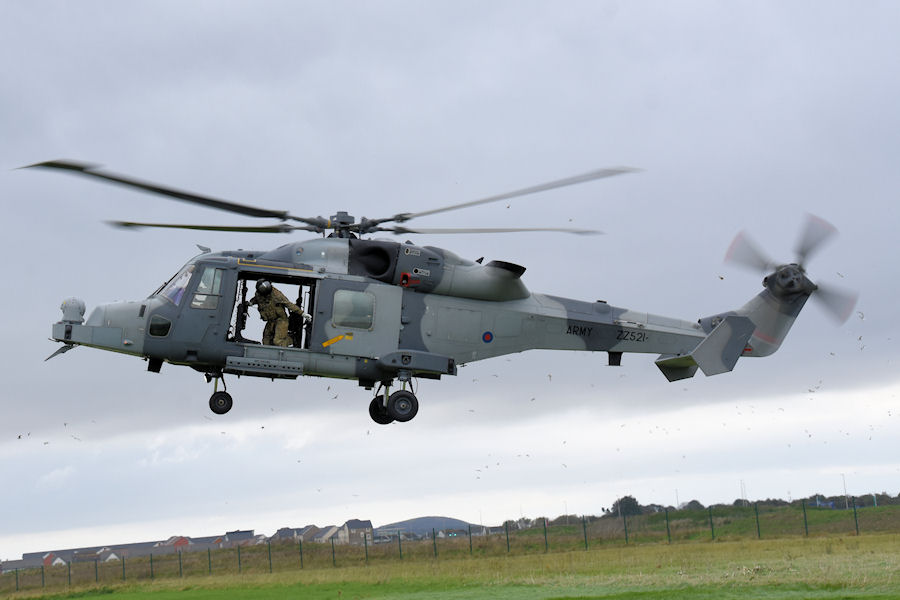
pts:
pixel 377 412
pixel 402 406
pixel 220 402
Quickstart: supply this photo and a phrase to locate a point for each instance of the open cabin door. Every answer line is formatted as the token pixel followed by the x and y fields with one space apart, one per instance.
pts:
pixel 356 319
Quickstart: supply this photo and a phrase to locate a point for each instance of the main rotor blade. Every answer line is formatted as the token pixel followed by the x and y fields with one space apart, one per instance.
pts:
pixel 837 302
pixel 816 231
pixel 584 177
pixel 402 230
pixel 744 251
pixel 92 170
pixel 279 228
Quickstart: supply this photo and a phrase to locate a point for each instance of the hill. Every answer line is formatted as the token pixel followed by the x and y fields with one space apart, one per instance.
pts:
pixel 422 525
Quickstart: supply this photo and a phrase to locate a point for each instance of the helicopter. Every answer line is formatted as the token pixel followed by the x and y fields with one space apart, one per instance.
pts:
pixel 384 312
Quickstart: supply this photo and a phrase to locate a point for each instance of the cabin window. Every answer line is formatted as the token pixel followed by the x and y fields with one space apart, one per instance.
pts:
pixel 209 289
pixel 159 326
pixel 174 290
pixel 353 309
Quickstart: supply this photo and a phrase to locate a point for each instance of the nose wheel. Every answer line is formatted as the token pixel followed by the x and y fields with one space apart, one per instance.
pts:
pixel 401 406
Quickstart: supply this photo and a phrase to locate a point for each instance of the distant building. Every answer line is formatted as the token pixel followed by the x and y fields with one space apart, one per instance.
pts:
pixel 326 534
pixel 295 534
pixel 354 531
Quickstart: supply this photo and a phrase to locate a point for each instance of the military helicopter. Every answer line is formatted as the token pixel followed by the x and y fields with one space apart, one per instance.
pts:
pixel 384 312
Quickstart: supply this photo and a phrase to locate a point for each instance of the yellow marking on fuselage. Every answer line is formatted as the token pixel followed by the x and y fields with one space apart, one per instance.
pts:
pixel 336 339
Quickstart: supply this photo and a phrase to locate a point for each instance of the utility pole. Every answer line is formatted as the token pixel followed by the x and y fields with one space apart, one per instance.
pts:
pixel 846 497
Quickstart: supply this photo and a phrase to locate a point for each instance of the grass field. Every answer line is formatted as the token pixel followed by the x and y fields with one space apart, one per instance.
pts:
pixel 821 567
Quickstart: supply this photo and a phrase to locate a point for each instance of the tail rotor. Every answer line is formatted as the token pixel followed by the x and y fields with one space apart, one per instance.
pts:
pixel 787 279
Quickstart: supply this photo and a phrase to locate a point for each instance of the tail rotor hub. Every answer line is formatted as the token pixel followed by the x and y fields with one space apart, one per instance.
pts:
pixel 789 279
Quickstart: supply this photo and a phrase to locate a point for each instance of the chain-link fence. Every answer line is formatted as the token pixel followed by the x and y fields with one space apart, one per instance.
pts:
pixel 564 534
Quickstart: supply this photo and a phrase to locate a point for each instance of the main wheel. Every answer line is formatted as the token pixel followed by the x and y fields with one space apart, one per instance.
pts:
pixel 220 402
pixel 402 405
pixel 377 412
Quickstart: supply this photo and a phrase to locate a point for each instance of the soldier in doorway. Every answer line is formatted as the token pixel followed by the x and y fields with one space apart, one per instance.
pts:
pixel 273 307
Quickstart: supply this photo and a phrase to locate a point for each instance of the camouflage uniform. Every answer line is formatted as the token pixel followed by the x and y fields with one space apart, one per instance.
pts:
pixel 272 310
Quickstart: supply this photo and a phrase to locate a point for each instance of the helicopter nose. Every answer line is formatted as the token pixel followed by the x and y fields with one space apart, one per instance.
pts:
pixel 118 326
pixel 122 323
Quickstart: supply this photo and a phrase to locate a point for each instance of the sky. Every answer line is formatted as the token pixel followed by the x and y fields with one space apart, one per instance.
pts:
pixel 744 115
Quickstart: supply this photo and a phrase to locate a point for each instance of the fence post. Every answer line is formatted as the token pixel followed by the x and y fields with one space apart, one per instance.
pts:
pixel 333 559
pixel 301 553
pixel 400 544
pixel 625 523
pixel 855 520
pixel 239 560
pixel 470 539
pixel 712 529
pixel 17 580
pixel 546 543
pixel 180 565
pixel 269 544
pixel 69 568
pixel 756 511
pixel 366 544
pixel 434 541
pixel 668 531
pixel 151 565
pixel 42 575
pixel 209 561
pixel 507 536
pixel 123 567
pixel 96 572
pixel 805 523
pixel 584 528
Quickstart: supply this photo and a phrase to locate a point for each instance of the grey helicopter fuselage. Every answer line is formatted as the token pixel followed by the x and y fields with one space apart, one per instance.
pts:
pixel 383 310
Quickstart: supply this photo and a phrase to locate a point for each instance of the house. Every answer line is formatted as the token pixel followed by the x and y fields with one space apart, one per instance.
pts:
pixel 14 565
pixel 134 549
pixel 52 560
pixel 246 537
pixel 354 531
pixel 326 534
pixel 211 542
pixel 176 543
pixel 295 534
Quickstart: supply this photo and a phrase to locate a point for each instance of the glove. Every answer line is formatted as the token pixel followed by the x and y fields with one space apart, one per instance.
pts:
pixel 306 319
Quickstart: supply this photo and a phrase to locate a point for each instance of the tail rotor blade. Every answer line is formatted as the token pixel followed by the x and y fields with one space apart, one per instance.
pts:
pixel 816 231
pixel 744 251
pixel 837 302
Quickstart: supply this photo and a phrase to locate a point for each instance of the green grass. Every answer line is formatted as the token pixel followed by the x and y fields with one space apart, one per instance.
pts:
pixel 820 567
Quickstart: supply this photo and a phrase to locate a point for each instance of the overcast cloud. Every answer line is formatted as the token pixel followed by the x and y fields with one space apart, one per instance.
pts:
pixel 742 115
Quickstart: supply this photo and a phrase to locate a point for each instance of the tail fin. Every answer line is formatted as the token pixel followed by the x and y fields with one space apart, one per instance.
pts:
pixel 756 329
pixel 772 318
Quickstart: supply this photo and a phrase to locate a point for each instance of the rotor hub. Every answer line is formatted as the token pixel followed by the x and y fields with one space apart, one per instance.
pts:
pixel 788 280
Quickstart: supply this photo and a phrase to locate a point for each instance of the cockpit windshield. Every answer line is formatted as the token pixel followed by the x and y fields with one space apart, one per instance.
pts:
pixel 174 290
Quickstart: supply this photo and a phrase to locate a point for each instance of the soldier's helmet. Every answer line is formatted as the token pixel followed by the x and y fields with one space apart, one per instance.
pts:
pixel 264 287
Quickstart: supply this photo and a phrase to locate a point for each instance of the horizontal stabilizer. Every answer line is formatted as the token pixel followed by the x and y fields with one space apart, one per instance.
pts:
pixel 677 367
pixel 717 353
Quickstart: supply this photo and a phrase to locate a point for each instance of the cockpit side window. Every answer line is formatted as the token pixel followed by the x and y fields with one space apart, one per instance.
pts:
pixel 174 290
pixel 353 309
pixel 208 289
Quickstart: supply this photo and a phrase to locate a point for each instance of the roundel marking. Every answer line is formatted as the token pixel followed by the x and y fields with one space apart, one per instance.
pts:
pixel 487 337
